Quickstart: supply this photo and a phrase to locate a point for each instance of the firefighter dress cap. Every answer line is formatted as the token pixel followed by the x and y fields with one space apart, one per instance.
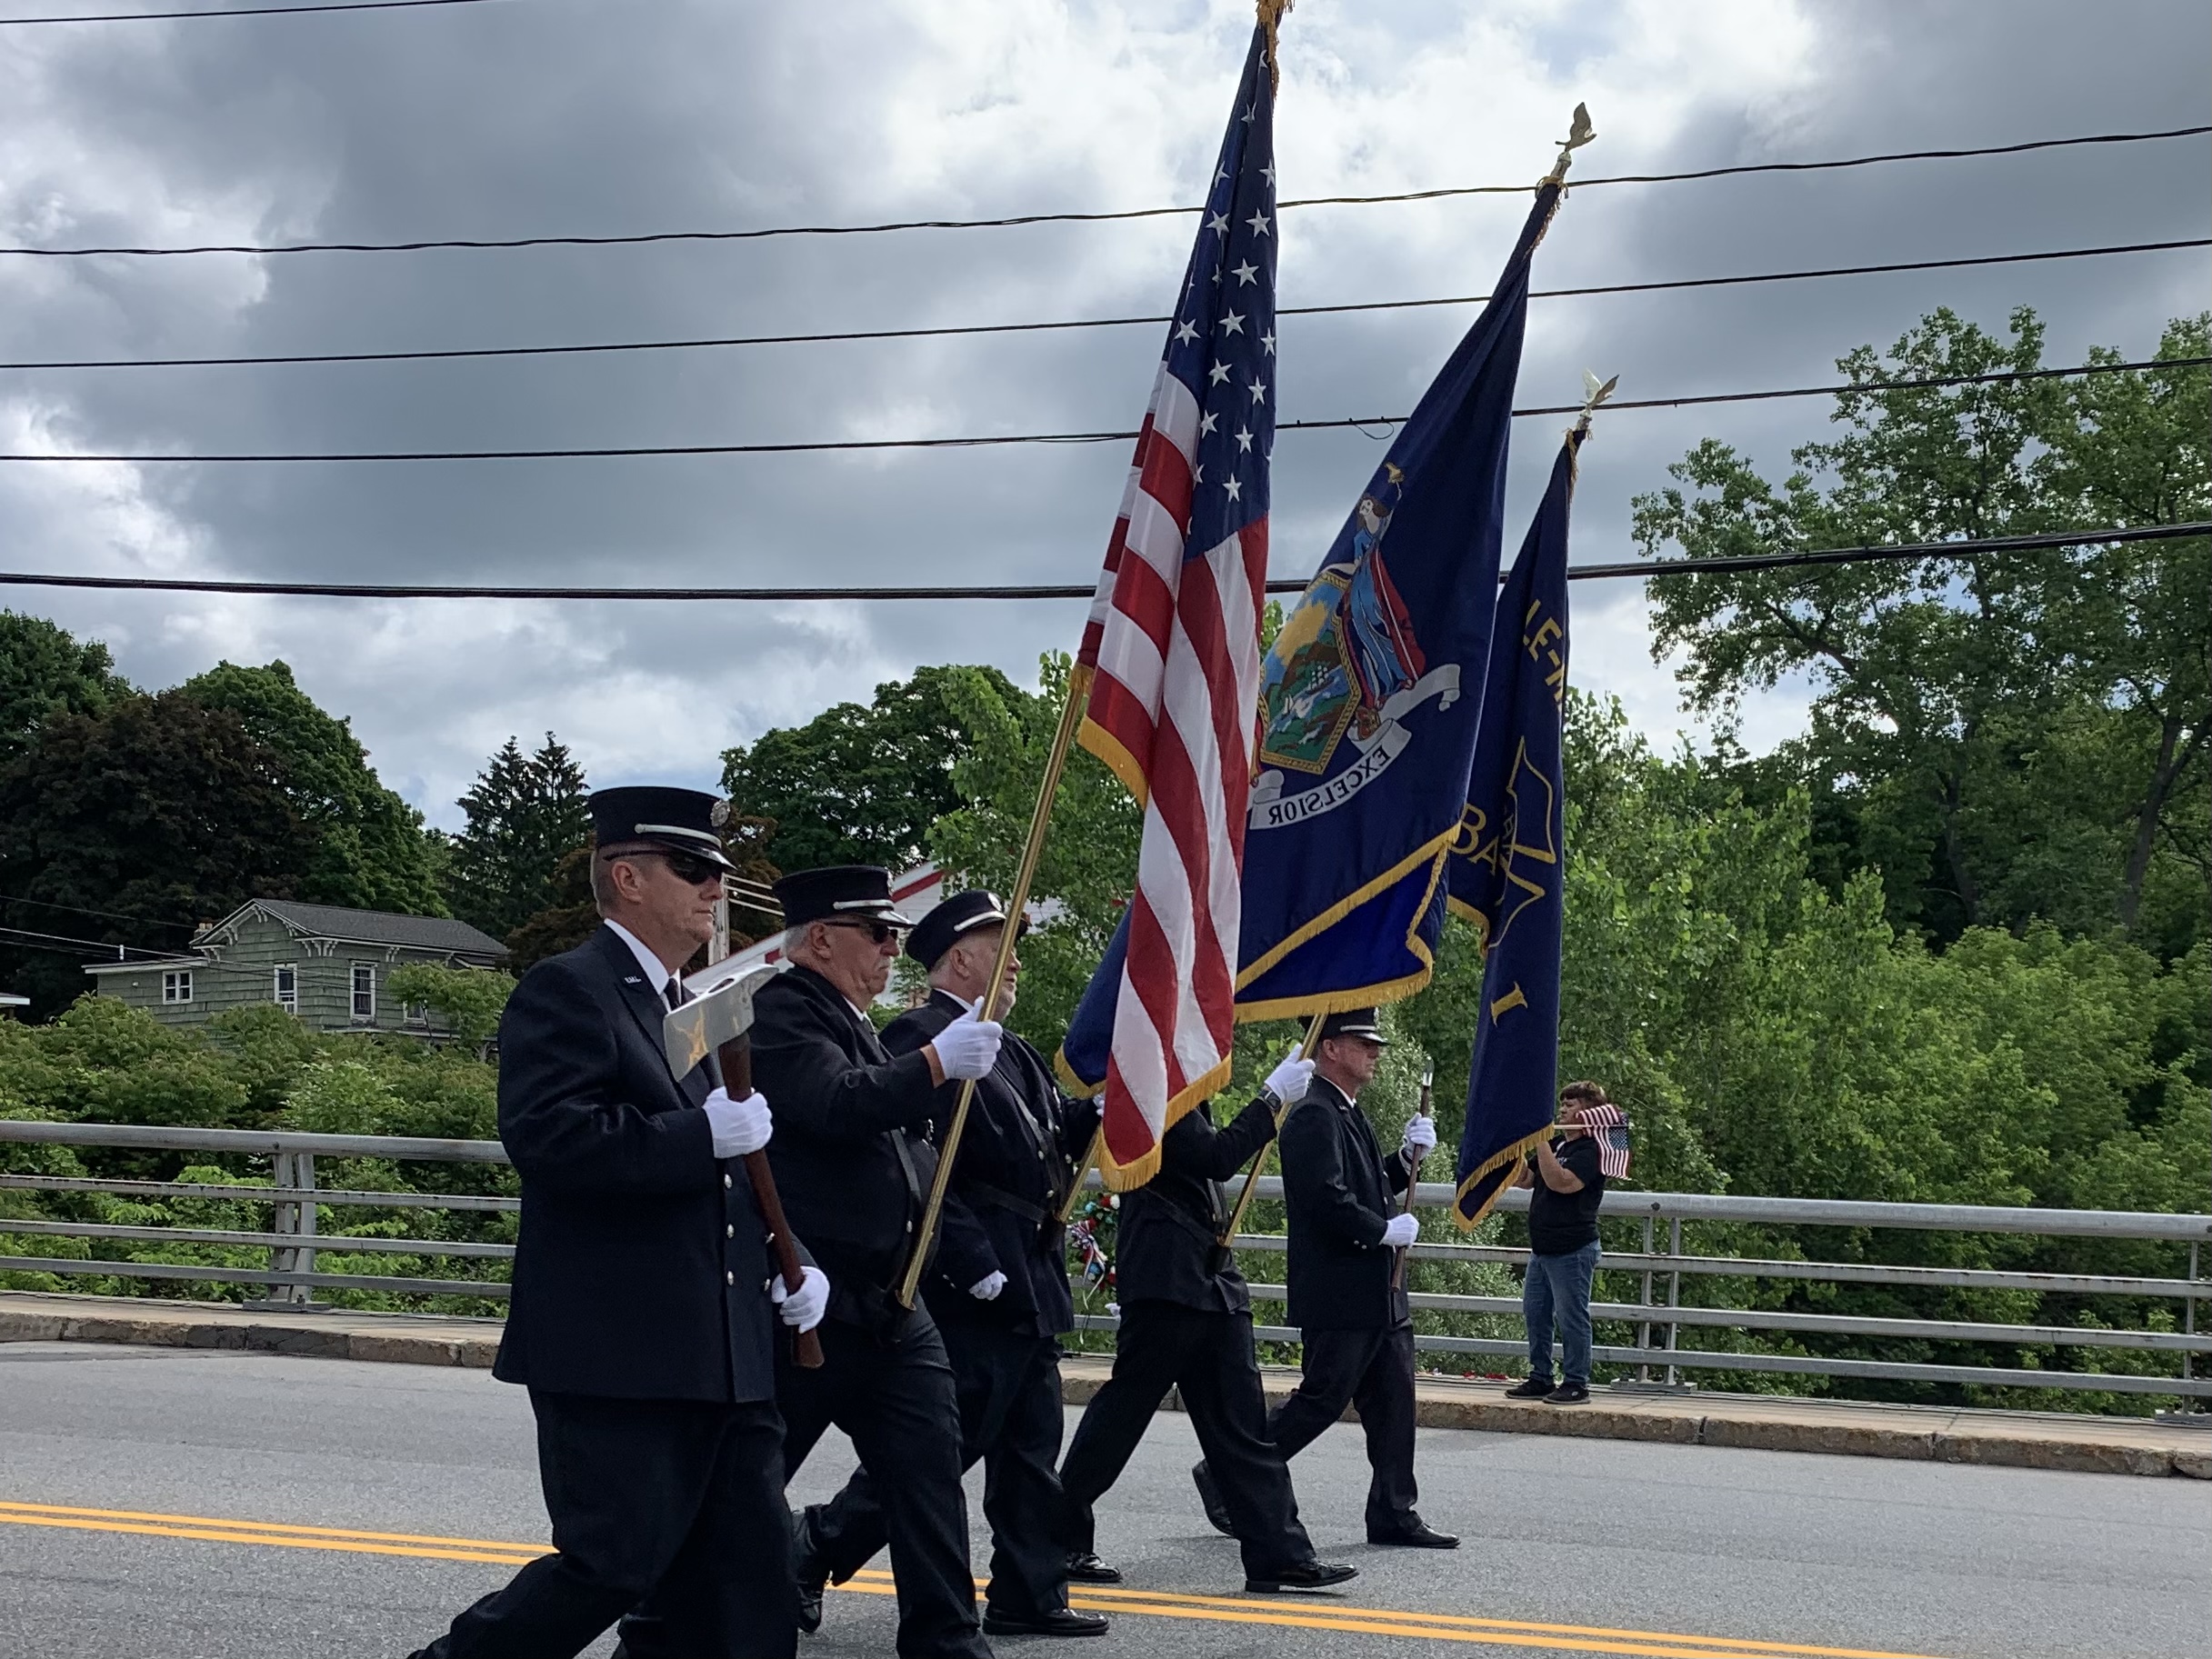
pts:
pixel 962 913
pixel 652 815
pixel 838 892
pixel 1353 1023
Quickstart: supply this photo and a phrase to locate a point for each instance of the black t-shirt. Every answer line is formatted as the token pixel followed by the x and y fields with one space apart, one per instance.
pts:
pixel 1562 1223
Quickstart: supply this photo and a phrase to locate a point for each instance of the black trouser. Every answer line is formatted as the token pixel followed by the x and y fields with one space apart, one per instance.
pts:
pixel 676 1502
pixel 1010 1420
pixel 894 1396
pixel 1208 1356
pixel 1372 1370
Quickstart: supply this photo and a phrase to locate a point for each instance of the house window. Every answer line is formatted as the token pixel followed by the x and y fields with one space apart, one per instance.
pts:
pixel 285 987
pixel 176 988
pixel 365 990
pixel 418 1013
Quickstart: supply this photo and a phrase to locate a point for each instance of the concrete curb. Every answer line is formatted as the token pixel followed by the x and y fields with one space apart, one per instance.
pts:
pixel 1763 1422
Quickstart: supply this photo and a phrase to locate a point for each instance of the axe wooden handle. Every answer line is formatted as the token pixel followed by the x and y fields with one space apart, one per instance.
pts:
pixel 736 1058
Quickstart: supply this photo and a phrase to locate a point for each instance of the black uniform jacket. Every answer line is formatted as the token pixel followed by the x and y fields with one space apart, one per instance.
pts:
pixel 1164 1250
pixel 1335 1187
pixel 641 1269
pixel 851 1153
pixel 1017 1155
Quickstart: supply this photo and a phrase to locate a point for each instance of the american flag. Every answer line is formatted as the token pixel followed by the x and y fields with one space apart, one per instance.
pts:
pixel 1606 1125
pixel 1172 645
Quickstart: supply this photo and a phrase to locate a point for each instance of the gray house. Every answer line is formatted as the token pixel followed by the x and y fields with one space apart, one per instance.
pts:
pixel 323 962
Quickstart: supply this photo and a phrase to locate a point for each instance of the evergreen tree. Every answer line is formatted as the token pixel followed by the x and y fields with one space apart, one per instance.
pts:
pixel 44 672
pixel 526 813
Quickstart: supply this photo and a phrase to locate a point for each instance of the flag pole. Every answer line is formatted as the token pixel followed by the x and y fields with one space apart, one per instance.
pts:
pixel 1413 1179
pixel 1227 1240
pixel 1040 816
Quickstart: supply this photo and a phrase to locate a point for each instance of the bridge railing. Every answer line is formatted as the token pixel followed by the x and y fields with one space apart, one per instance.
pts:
pixel 293 1242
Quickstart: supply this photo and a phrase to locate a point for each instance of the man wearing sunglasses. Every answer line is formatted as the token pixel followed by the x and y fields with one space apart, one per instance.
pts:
pixel 997 1290
pixel 854 1163
pixel 644 1317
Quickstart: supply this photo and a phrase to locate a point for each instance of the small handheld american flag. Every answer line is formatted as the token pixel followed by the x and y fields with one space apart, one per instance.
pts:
pixel 1608 1127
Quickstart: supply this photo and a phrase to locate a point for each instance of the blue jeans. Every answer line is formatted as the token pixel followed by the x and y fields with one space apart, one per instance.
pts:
pixel 1559 1286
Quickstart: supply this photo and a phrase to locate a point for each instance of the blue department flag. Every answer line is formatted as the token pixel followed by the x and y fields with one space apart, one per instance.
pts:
pixel 1507 862
pixel 1371 692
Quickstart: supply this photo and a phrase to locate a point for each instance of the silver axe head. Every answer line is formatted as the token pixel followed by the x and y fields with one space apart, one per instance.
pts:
pixel 720 1013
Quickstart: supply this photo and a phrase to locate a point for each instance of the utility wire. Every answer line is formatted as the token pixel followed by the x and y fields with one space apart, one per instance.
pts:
pixel 1357 422
pixel 81 910
pixel 1639 569
pixel 100 946
pixel 1081 323
pixel 243 11
pixel 1090 218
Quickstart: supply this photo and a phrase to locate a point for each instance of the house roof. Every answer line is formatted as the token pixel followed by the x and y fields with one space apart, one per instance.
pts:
pixel 367 927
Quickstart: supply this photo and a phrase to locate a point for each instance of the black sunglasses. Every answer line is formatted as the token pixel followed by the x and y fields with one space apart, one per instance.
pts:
pixel 880 933
pixel 689 868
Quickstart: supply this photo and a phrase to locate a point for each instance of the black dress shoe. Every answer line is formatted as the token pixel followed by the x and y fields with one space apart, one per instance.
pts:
pixel 1535 1388
pixel 808 1568
pixel 1085 1568
pixel 1059 1622
pixel 1420 1535
pixel 1209 1495
pixel 1568 1394
pixel 1305 1575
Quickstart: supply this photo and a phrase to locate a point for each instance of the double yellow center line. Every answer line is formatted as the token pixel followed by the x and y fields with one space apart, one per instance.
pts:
pixel 1304 1614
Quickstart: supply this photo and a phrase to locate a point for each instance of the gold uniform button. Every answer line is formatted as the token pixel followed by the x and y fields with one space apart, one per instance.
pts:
pixel 725 1182
pixel 729 1278
pixel 729 1232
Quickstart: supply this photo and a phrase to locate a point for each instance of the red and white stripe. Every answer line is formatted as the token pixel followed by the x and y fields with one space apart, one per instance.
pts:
pixel 1175 645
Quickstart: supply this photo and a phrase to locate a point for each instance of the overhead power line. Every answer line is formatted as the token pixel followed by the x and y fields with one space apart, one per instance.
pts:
pixel 1357 422
pixel 951 330
pixel 243 11
pixel 77 948
pixel 785 596
pixel 1013 220
pixel 82 910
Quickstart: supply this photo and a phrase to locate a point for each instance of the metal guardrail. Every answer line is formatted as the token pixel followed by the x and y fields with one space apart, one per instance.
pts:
pixel 294 1241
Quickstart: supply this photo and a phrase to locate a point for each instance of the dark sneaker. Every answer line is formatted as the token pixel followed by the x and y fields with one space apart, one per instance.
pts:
pixel 1420 1535
pixel 1535 1388
pixel 1209 1495
pixel 1305 1575
pixel 808 1568
pixel 1059 1622
pixel 1569 1394
pixel 1085 1568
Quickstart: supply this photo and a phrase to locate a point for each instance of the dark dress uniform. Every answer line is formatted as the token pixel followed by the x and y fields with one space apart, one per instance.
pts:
pixel 853 1165
pixel 1186 1324
pixel 1016 1161
pixel 641 1325
pixel 1357 1329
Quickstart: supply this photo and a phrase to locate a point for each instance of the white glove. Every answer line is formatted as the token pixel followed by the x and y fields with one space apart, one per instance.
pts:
pixel 1400 1230
pixel 1420 1137
pixel 986 1288
pixel 739 1125
pixel 1290 1081
pixel 966 1047
pixel 801 1308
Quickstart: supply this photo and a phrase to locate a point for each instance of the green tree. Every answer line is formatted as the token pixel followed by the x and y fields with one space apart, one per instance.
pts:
pixel 468 1001
pixel 158 808
pixel 526 813
pixel 1958 701
pixel 44 672
pixel 861 784
pixel 370 850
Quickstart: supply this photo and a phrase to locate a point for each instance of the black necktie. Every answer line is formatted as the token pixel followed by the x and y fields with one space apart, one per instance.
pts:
pixel 674 992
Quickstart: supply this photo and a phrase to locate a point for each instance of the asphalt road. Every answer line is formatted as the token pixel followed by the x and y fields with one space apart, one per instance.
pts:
pixel 204 1506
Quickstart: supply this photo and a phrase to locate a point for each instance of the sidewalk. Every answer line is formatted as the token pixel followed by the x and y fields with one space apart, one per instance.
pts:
pixel 2023 1439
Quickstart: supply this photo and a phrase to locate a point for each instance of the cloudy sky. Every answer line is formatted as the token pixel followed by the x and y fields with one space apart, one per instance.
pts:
pixel 613 116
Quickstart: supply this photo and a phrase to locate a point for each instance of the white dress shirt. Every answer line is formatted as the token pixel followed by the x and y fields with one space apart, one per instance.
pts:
pixel 656 972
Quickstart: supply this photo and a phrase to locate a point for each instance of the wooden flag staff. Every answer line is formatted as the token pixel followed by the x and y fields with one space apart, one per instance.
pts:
pixel 1055 763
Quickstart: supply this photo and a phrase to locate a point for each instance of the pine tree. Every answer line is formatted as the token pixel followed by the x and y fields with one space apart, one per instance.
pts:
pixel 526 813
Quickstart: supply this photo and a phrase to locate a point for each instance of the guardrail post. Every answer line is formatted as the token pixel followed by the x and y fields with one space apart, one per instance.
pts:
pixel 2189 1315
pixel 1674 1291
pixel 1643 1330
pixel 293 1171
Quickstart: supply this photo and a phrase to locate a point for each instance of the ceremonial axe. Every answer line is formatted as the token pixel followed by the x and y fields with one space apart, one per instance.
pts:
pixel 716 1021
